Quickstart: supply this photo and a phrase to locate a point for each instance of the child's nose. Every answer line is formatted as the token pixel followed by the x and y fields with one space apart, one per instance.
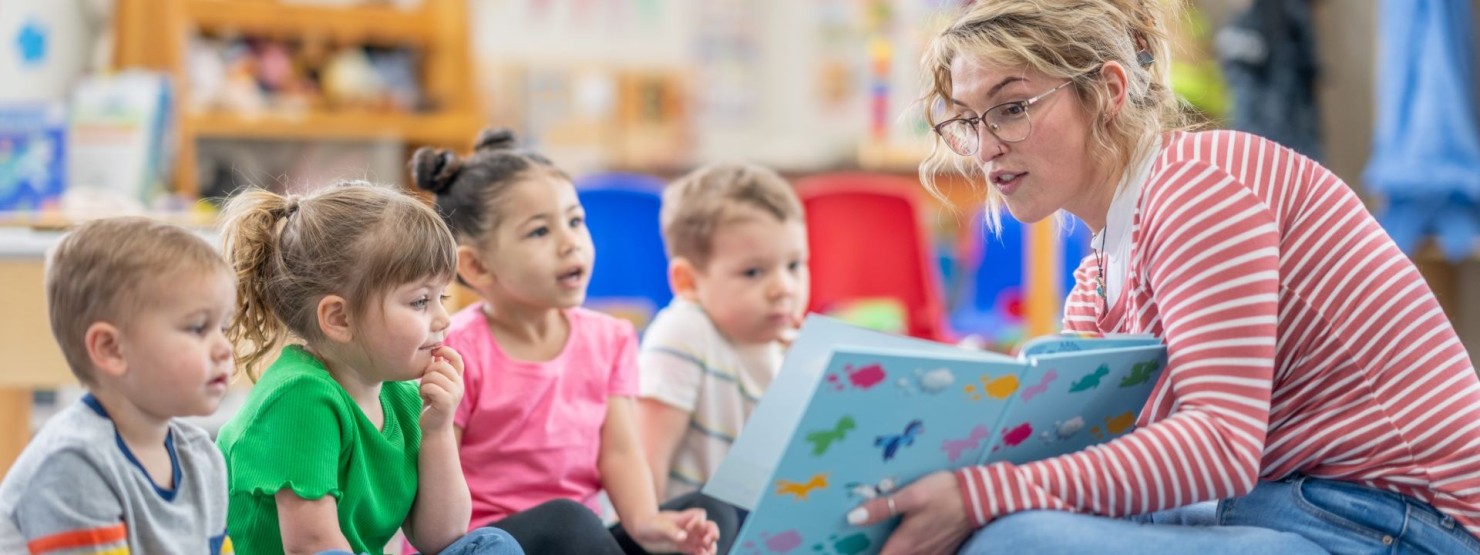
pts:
pixel 441 320
pixel 784 285
pixel 221 349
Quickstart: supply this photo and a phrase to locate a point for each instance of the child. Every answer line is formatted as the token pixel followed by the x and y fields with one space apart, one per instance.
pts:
pixel 738 251
pixel 336 446
pixel 548 419
pixel 138 308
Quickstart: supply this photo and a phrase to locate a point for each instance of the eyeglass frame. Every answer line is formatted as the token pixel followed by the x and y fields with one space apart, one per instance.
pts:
pixel 976 121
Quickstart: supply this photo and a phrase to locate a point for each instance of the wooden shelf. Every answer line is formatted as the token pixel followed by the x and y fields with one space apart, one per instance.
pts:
pixel 155 34
pixel 439 128
pixel 359 24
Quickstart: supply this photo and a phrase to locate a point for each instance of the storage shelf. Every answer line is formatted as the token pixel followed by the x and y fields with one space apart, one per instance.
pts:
pixel 360 24
pixel 418 128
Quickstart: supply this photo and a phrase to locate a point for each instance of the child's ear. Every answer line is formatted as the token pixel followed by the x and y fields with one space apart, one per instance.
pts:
pixel 104 344
pixel 333 316
pixel 683 279
pixel 471 269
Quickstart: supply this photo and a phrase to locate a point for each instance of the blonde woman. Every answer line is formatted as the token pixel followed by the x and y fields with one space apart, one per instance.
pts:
pixel 1316 398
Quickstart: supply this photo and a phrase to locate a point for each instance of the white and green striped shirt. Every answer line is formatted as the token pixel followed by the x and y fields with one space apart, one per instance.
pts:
pixel 686 363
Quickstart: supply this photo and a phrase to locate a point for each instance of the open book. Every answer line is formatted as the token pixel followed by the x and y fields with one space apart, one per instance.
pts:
pixel 855 414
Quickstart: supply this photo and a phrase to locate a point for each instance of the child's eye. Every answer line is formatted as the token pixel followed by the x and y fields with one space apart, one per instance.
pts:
pixel 577 221
pixel 752 272
pixel 420 303
pixel 445 298
pixel 197 329
pixel 794 265
pixel 538 232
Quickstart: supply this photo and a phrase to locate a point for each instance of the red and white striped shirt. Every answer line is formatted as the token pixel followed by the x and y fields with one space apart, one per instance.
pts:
pixel 1299 338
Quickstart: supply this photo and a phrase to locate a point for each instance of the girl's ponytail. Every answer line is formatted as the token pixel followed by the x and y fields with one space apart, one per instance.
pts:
pixel 252 231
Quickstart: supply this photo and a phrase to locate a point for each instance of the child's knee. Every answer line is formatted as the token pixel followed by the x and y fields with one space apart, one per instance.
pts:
pixel 492 541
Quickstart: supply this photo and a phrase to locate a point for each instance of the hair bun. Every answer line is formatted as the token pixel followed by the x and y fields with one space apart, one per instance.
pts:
pixel 495 139
pixel 434 169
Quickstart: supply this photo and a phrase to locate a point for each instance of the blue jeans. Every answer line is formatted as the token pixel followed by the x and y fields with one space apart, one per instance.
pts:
pixel 1295 516
pixel 480 541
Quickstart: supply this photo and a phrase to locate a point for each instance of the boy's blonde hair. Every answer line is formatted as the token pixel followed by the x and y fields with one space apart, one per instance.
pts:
pixel 698 204
pixel 1063 39
pixel 351 239
pixel 106 270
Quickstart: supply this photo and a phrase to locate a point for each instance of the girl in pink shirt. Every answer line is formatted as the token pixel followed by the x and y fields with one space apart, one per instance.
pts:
pixel 548 419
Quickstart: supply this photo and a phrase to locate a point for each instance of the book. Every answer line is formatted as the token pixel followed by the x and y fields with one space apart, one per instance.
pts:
pixel 32 156
pixel 855 414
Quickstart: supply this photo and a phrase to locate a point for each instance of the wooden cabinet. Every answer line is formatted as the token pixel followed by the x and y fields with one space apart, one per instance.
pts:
pixel 155 34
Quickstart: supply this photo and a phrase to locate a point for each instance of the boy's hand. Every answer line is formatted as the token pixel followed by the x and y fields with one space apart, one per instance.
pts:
pixel 689 532
pixel 441 389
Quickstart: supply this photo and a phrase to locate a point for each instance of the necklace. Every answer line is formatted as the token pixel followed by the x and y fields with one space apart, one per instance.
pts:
pixel 1100 277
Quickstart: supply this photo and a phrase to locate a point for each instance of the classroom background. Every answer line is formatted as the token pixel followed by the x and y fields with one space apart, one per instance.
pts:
pixel 165 107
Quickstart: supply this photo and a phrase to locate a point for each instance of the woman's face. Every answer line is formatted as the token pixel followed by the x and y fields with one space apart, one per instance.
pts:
pixel 1051 168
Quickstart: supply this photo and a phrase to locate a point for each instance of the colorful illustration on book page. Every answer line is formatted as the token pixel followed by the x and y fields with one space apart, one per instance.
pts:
pixel 801 490
pixel 823 439
pixel 863 377
pixel 783 542
pixel 955 447
pixel 932 382
pixel 1000 387
pixel 1041 387
pixel 843 544
pixel 893 443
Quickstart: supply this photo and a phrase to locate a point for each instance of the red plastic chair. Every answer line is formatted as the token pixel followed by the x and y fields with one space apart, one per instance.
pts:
pixel 868 240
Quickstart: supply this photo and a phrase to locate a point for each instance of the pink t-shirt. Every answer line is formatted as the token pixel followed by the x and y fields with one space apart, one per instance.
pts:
pixel 532 430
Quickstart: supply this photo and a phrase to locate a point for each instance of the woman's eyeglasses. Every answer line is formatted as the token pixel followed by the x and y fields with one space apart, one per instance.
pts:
pixel 1009 122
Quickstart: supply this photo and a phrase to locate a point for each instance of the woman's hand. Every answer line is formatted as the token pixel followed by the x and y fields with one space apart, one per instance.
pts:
pixel 934 519
pixel 441 389
pixel 689 532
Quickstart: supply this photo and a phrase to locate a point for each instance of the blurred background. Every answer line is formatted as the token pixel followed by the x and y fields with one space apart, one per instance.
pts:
pixel 165 107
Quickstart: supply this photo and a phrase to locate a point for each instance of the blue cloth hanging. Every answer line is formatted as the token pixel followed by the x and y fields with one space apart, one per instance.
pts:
pixel 1426 150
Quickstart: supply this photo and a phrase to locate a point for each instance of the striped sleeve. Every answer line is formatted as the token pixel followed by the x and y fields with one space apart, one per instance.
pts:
pixel 71 508
pixel 1210 255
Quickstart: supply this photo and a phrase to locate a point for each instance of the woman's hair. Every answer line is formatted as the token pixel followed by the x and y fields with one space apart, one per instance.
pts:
pixel 351 239
pixel 1065 39
pixel 470 189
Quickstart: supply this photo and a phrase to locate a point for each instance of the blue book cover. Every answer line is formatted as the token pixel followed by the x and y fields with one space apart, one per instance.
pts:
pixel 855 414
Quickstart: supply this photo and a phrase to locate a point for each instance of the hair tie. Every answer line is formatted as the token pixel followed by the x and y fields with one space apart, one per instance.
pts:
pixel 291 207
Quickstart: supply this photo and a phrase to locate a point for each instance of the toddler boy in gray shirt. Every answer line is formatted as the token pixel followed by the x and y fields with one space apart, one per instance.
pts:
pixel 139 309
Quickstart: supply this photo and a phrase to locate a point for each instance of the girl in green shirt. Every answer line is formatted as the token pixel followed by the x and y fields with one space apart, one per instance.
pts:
pixel 337 446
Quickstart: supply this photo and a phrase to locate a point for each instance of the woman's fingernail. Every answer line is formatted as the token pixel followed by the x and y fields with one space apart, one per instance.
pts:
pixel 857 516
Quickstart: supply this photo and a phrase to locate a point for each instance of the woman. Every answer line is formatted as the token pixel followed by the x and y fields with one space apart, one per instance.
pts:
pixel 1316 398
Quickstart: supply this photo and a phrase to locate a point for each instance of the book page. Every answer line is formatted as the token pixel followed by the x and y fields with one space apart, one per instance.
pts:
pixel 742 477
pixel 1071 400
pixel 880 419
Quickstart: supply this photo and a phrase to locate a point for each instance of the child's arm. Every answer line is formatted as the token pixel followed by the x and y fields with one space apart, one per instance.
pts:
pixel 626 477
pixel 70 503
pixel 440 514
pixel 662 426
pixel 309 526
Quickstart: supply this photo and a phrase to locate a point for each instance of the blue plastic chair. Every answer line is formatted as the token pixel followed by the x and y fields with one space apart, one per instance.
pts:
pixel 630 279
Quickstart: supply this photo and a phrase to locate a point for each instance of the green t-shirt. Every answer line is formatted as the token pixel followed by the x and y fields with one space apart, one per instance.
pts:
pixel 299 429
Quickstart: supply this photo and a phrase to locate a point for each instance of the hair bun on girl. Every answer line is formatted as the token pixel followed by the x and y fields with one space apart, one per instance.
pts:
pixel 434 169
pixel 495 139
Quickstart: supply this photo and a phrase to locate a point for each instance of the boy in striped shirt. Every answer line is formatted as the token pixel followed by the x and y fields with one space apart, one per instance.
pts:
pixel 138 308
pixel 738 250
